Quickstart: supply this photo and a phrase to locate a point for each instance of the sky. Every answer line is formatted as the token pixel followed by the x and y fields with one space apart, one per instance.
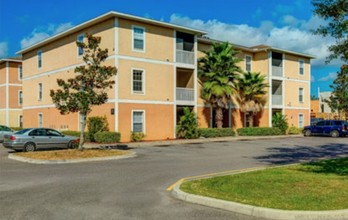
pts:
pixel 285 24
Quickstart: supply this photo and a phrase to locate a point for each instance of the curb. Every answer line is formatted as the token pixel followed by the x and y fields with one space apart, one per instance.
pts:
pixel 38 161
pixel 254 211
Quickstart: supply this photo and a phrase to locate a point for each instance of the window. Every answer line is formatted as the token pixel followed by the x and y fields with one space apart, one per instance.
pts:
pixel 38 132
pixel 20 72
pixel 138 121
pixel 80 49
pixel 301 67
pixel 138 38
pixel 138 81
pixel 20 97
pixel 40 120
pixel 53 133
pixel 300 120
pixel 320 123
pixel 300 95
pixel 39 92
pixel 39 59
pixel 21 121
pixel 248 63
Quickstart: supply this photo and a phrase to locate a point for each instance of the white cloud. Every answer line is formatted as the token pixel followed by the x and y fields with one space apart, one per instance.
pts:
pixel 41 33
pixel 331 76
pixel 295 35
pixel 3 49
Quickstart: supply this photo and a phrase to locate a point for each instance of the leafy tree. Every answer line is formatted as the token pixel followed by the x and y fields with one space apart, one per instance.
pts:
pixel 90 85
pixel 280 121
pixel 218 72
pixel 187 126
pixel 338 101
pixel 336 13
pixel 251 88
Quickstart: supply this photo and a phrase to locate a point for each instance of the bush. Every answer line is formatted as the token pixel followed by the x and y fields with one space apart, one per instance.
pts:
pixel 259 131
pixel 280 121
pixel 76 134
pixel 295 130
pixel 16 128
pixel 107 137
pixel 187 126
pixel 96 124
pixel 215 132
pixel 137 136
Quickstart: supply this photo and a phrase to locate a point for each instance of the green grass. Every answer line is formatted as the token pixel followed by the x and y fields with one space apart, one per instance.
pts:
pixel 319 185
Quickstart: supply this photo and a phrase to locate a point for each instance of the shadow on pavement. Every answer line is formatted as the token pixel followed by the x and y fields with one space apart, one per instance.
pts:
pixel 295 154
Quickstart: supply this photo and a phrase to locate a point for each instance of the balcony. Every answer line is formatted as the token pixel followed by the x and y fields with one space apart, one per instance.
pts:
pixel 185 94
pixel 277 100
pixel 277 71
pixel 183 56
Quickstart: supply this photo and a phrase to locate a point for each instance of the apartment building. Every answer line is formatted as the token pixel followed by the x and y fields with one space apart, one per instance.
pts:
pixel 11 95
pixel 157 77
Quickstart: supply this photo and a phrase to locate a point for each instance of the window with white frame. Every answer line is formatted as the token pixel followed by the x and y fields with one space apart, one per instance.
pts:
pixel 300 94
pixel 80 49
pixel 20 97
pixel 301 67
pixel 138 121
pixel 20 72
pixel 40 120
pixel 39 89
pixel 39 59
pixel 138 38
pixel 300 120
pixel 138 81
pixel 247 63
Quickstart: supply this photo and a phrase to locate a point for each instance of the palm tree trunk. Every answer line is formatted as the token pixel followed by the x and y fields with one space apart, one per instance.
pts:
pixel 219 117
pixel 250 119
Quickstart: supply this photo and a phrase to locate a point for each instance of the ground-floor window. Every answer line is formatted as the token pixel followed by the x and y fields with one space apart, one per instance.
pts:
pixel 20 121
pixel 300 120
pixel 40 120
pixel 138 121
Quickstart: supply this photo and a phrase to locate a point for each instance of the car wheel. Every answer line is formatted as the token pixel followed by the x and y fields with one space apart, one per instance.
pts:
pixel 307 133
pixel 73 145
pixel 29 147
pixel 334 134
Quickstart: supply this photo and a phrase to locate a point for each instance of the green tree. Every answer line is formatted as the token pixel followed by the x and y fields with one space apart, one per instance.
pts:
pixel 218 71
pixel 338 101
pixel 89 86
pixel 250 95
pixel 187 126
pixel 280 121
pixel 336 13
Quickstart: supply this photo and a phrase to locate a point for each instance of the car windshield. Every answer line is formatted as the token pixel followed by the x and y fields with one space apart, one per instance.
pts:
pixel 22 131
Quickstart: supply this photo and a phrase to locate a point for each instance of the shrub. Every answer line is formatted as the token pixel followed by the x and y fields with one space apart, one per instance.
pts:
pixel 187 126
pixel 259 131
pixel 137 136
pixel 107 137
pixel 215 132
pixel 295 130
pixel 280 121
pixel 96 124
pixel 16 128
pixel 76 134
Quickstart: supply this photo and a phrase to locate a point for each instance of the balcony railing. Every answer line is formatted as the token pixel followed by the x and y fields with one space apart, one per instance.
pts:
pixel 183 56
pixel 277 71
pixel 277 100
pixel 185 94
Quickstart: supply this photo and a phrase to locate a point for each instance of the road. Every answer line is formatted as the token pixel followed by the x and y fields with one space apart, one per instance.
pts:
pixel 136 188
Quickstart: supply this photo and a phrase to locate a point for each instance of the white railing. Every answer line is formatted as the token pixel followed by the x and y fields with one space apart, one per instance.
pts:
pixel 277 100
pixel 277 71
pixel 185 94
pixel 183 56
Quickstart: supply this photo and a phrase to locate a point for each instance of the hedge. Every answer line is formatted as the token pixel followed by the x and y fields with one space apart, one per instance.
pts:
pixel 295 130
pixel 107 137
pixel 76 134
pixel 259 131
pixel 215 132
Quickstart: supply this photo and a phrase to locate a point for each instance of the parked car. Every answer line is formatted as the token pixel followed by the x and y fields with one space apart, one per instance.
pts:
pixel 333 128
pixel 3 131
pixel 314 121
pixel 32 139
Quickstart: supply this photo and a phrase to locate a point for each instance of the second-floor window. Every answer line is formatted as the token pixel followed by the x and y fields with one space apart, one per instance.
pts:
pixel 39 59
pixel 137 81
pixel 80 49
pixel 300 95
pixel 301 67
pixel 20 97
pixel 20 72
pixel 248 63
pixel 138 38
pixel 39 89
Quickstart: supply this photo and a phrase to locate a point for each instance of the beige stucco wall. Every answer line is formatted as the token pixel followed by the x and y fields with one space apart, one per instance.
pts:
pixel 291 67
pixel 293 115
pixel 14 118
pixel 2 97
pixel 2 117
pixel 292 93
pixel 13 73
pixel 261 63
pixel 2 73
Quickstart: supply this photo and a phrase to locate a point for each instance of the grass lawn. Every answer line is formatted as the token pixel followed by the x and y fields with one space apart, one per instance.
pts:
pixel 71 154
pixel 321 185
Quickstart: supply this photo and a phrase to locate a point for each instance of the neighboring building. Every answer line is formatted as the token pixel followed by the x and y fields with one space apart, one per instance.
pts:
pixel 157 77
pixel 321 109
pixel 11 96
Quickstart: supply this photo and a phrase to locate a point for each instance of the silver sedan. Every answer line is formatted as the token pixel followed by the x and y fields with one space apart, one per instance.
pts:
pixel 4 130
pixel 32 139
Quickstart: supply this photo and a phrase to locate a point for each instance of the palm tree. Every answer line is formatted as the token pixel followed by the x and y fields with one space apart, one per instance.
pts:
pixel 218 72
pixel 250 91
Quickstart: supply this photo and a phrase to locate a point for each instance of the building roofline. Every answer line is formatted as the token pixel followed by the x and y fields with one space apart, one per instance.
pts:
pixel 104 17
pixel 10 60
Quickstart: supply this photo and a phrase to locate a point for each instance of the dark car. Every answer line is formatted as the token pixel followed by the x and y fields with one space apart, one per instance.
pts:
pixel 333 128
pixel 314 121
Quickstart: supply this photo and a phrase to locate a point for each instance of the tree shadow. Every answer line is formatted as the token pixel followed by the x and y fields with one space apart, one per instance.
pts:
pixel 337 166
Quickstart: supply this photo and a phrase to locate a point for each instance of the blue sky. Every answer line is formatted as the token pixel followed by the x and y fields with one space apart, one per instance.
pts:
pixel 280 23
